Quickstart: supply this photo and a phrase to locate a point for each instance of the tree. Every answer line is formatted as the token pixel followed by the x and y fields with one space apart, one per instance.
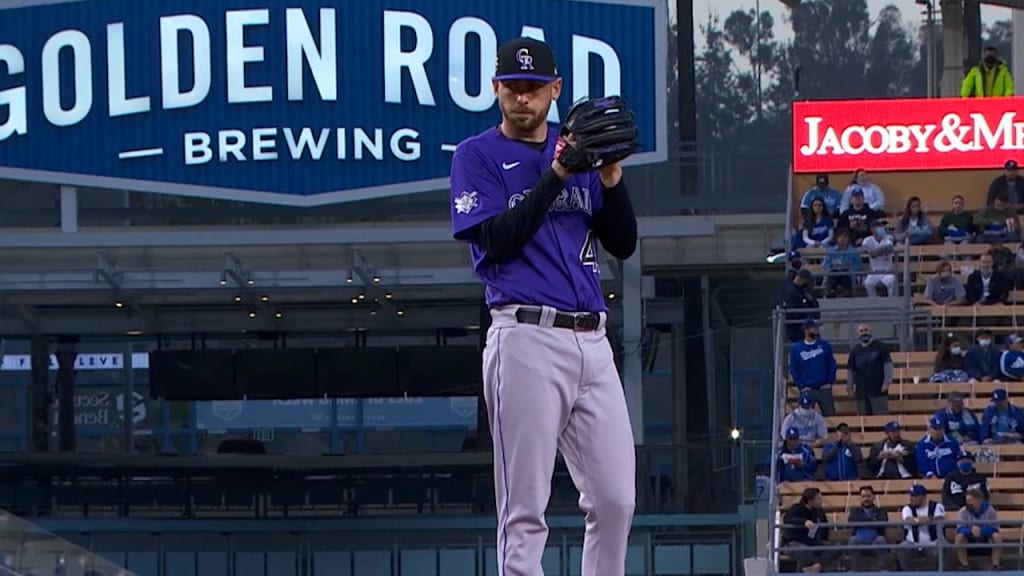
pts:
pixel 1000 36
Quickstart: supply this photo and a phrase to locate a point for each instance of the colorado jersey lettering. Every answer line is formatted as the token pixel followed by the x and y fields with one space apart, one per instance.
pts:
pixel 558 267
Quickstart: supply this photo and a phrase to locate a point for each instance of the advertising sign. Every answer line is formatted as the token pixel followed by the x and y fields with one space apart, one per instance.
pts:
pixel 298 102
pixel 907 134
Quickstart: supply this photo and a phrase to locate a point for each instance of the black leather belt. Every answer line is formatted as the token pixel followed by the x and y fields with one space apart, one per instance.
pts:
pixel 581 322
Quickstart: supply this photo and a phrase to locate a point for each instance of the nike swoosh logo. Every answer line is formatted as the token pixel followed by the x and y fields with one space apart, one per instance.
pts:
pixel 509 165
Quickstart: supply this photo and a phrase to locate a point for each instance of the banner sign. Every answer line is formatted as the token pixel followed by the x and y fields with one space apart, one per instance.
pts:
pixel 298 102
pixel 907 134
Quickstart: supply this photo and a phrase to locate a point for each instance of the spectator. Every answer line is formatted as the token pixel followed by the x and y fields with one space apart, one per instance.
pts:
pixel 961 423
pixel 944 289
pixel 986 285
pixel 841 263
pixel 829 195
pixel 869 373
pixel 843 457
pixel 982 361
pixel 1011 360
pixel 1009 185
pixel 796 460
pixel 964 478
pixel 803 532
pixel 857 218
pixel 812 367
pixel 957 225
pixel 936 452
pixel 989 79
pixel 1001 422
pixel 949 361
pixel 818 228
pixel 1002 258
pixel 799 303
pixel 873 196
pixel 998 222
pixel 893 457
pixel 920 524
pixel 880 249
pixel 978 523
pixel 806 420
pixel 914 227
pixel 868 535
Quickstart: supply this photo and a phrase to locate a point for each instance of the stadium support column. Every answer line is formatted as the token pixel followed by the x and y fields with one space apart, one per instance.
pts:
pixel 66 356
pixel 686 92
pixel 632 336
pixel 68 209
pixel 954 47
pixel 1018 51
pixel 39 397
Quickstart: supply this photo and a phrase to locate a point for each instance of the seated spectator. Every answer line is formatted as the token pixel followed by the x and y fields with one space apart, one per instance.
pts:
pixel 842 262
pixel 880 250
pixel 957 226
pixel 986 285
pixel 829 195
pixel 868 535
pixel 843 456
pixel 949 362
pixel 936 452
pixel 1011 360
pixel 818 228
pixel 869 373
pixel 998 222
pixel 920 520
pixel 1018 267
pixel 1009 184
pixel 914 227
pixel 1002 258
pixel 796 459
pixel 982 361
pixel 893 457
pixel 964 478
pixel 978 523
pixel 944 289
pixel 807 421
pixel 873 195
pixel 802 531
pixel 857 218
pixel 1001 422
pixel 812 367
pixel 961 423
pixel 799 303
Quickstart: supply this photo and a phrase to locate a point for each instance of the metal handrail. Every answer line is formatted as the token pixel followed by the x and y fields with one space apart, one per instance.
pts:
pixel 779 395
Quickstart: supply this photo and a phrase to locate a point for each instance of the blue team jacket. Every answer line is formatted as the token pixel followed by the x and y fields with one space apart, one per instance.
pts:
pixel 1011 364
pixel 959 425
pixel 812 365
pixel 981 362
pixel 989 418
pixel 843 466
pixel 793 473
pixel 936 458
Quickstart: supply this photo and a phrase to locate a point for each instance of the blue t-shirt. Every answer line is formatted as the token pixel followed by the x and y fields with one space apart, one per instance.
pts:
pixel 819 231
pixel 559 266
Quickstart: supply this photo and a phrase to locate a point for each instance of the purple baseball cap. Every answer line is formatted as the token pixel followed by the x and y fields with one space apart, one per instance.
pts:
pixel 525 59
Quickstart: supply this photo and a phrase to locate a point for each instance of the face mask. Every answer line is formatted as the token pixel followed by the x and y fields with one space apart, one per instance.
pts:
pixel 879 231
pixel 955 350
pixel 990 60
pixel 984 343
pixel 964 467
pixel 803 411
pixel 865 338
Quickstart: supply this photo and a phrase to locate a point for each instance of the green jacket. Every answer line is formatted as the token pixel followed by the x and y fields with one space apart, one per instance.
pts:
pixel 973 85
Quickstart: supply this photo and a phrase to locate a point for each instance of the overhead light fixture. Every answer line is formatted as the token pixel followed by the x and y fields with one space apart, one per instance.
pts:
pixel 362 296
pixel 348 277
pixel 238 298
pixel 133 333
pixel 223 278
pixel 373 311
pixel 252 313
pixel 248 279
pixel 118 304
pixel 376 277
pixel 387 295
pixel 278 314
pixel 612 295
pixel 355 300
pixel 400 312
pixel 264 298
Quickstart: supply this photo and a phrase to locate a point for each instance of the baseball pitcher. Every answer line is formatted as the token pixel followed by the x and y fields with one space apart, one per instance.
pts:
pixel 533 202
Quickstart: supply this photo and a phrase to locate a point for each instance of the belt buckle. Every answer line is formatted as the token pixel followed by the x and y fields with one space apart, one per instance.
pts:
pixel 585 322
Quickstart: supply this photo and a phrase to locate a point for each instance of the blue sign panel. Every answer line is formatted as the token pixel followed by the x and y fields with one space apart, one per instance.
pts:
pixel 297 102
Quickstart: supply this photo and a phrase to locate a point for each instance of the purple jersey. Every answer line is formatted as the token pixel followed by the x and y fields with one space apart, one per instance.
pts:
pixel 559 266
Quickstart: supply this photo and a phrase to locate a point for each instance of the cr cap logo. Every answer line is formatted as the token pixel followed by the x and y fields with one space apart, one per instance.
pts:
pixel 525 59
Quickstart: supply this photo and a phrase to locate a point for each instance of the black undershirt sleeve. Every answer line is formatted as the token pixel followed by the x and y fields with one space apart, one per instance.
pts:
pixel 615 224
pixel 503 236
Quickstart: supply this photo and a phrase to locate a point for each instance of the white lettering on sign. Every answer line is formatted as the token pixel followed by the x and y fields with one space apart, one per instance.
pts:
pixel 243 56
pixel 954 133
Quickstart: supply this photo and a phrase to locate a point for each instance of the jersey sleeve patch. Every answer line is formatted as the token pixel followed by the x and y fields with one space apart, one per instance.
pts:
pixel 476 192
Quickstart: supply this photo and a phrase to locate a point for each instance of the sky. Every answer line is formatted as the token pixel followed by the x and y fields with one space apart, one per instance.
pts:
pixel 912 13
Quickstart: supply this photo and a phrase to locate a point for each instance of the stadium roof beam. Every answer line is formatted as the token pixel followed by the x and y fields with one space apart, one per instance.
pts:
pixel 236 272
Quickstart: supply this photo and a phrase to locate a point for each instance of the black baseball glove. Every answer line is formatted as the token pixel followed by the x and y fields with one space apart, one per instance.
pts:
pixel 596 132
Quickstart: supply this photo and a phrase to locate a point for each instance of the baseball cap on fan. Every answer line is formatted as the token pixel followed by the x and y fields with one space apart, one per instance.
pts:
pixel 525 59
